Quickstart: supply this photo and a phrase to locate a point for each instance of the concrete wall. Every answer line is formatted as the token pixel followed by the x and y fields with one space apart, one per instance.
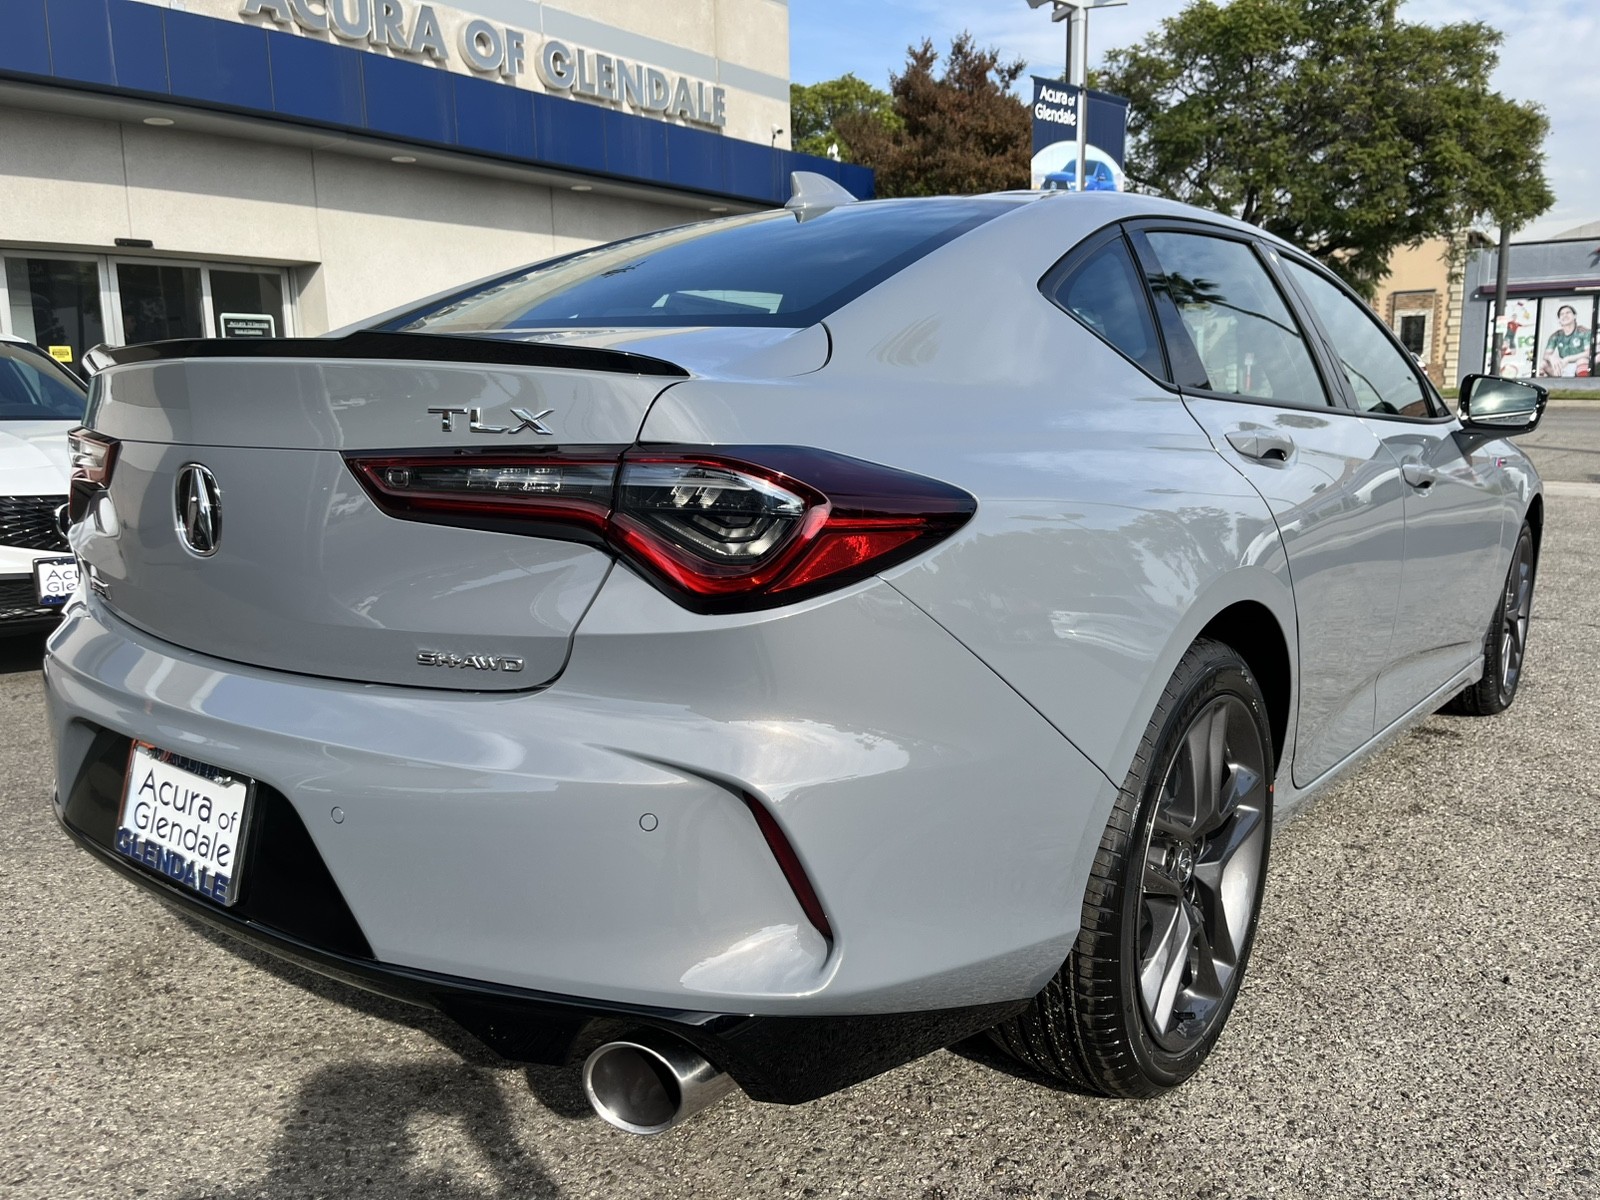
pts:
pixel 363 234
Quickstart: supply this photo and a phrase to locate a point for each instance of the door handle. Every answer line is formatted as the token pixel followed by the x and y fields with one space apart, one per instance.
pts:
pixel 1264 445
pixel 1418 476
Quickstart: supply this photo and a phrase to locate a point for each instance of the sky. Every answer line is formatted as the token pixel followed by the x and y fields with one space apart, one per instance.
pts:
pixel 1547 57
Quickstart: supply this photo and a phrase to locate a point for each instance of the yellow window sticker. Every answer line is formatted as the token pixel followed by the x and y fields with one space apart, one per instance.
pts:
pixel 62 354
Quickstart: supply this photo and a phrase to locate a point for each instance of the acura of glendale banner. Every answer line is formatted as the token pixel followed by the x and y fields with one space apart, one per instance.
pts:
pixel 1055 137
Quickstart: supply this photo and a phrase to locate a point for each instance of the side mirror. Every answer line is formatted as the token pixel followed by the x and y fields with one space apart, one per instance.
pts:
pixel 1500 407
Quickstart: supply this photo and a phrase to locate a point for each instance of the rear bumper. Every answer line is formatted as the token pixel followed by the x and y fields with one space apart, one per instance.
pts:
pixel 779 1060
pixel 501 839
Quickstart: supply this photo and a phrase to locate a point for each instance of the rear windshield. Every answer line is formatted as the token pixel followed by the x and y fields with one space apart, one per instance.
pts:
pixel 34 388
pixel 772 268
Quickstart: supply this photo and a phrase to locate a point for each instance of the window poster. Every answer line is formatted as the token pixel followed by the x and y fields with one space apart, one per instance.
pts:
pixel 1566 337
pixel 1511 349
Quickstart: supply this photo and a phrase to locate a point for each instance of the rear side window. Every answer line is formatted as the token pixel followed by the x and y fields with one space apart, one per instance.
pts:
pixel 774 268
pixel 33 388
pixel 1247 341
pixel 1104 293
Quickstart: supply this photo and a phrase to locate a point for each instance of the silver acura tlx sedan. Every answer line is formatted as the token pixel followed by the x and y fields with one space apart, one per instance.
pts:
pixel 765 651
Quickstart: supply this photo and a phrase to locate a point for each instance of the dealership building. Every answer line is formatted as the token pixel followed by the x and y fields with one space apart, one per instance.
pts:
pixel 248 168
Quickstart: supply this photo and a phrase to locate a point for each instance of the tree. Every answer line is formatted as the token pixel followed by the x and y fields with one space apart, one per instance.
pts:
pixel 816 110
pixel 960 132
pixel 1332 124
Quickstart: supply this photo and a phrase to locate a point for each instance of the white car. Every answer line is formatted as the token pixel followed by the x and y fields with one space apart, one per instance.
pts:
pixel 39 402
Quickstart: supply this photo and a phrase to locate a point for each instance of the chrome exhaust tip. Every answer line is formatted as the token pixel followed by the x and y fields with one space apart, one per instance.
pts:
pixel 650 1084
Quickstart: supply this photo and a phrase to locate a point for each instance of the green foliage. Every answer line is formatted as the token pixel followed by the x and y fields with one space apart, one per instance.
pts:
pixel 1331 123
pixel 958 132
pixel 815 111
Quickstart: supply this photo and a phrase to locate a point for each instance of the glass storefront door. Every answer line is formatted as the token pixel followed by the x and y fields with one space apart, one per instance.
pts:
pixel 70 303
pixel 55 303
pixel 246 303
pixel 159 302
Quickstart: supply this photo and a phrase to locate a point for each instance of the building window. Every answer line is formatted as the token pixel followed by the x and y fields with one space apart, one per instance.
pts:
pixel 1414 333
pixel 246 303
pixel 1412 322
pixel 54 302
pixel 159 302
pixel 1551 337
pixel 69 303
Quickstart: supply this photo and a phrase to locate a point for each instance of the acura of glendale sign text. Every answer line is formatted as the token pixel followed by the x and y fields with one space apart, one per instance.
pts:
pixel 486 47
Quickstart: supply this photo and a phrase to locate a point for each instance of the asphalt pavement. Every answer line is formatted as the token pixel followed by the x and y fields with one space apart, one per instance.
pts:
pixel 1419 1019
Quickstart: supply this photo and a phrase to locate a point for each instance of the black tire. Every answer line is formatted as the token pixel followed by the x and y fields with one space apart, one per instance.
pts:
pixel 1095 1027
pixel 1505 645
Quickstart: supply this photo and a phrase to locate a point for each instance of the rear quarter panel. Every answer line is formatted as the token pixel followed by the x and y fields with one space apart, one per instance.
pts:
pixel 1109 531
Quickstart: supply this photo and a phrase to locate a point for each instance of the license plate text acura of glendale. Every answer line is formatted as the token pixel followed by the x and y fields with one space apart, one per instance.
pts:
pixel 767 651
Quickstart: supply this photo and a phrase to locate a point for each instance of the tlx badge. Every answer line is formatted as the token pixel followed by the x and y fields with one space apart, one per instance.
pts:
pixel 526 421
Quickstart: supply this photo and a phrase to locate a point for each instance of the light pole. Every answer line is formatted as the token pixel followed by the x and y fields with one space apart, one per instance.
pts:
pixel 1076 13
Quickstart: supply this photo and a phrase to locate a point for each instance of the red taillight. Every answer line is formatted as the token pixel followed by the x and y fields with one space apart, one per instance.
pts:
pixel 725 530
pixel 93 457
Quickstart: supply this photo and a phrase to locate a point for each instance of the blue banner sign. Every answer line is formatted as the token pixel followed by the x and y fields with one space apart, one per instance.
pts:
pixel 1055 137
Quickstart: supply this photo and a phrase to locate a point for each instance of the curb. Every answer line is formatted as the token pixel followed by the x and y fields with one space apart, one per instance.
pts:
pixel 1572 489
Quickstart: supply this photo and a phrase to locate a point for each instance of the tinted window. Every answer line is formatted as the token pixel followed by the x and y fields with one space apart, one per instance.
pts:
pixel 249 302
pixel 1104 292
pixel 1380 375
pixel 160 302
pixel 55 302
pixel 1413 332
pixel 33 388
pixel 773 268
pixel 1241 328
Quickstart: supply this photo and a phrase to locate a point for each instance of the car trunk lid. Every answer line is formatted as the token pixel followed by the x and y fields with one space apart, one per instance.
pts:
pixel 303 573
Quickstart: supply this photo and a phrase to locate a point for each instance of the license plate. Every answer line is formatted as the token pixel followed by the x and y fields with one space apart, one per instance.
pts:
pixel 55 579
pixel 185 820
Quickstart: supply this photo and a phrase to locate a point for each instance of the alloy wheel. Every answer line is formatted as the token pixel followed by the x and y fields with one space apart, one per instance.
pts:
pixel 1202 873
pixel 1515 612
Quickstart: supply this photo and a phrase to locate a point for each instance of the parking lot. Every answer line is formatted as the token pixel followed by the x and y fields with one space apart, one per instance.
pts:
pixel 1418 1021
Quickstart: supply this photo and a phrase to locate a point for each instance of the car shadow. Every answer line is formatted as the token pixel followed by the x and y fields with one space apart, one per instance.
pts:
pixel 402 1132
pixel 442 1030
pixel 22 652
pixel 559 1089
pixel 985 1053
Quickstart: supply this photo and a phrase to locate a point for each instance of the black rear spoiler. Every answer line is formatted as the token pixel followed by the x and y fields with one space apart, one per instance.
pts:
pixel 407 347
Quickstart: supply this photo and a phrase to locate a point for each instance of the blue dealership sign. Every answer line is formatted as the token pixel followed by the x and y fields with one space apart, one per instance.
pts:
pixel 141 51
pixel 1055 137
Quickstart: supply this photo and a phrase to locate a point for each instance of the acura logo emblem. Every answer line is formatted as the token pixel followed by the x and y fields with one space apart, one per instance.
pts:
pixel 199 504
